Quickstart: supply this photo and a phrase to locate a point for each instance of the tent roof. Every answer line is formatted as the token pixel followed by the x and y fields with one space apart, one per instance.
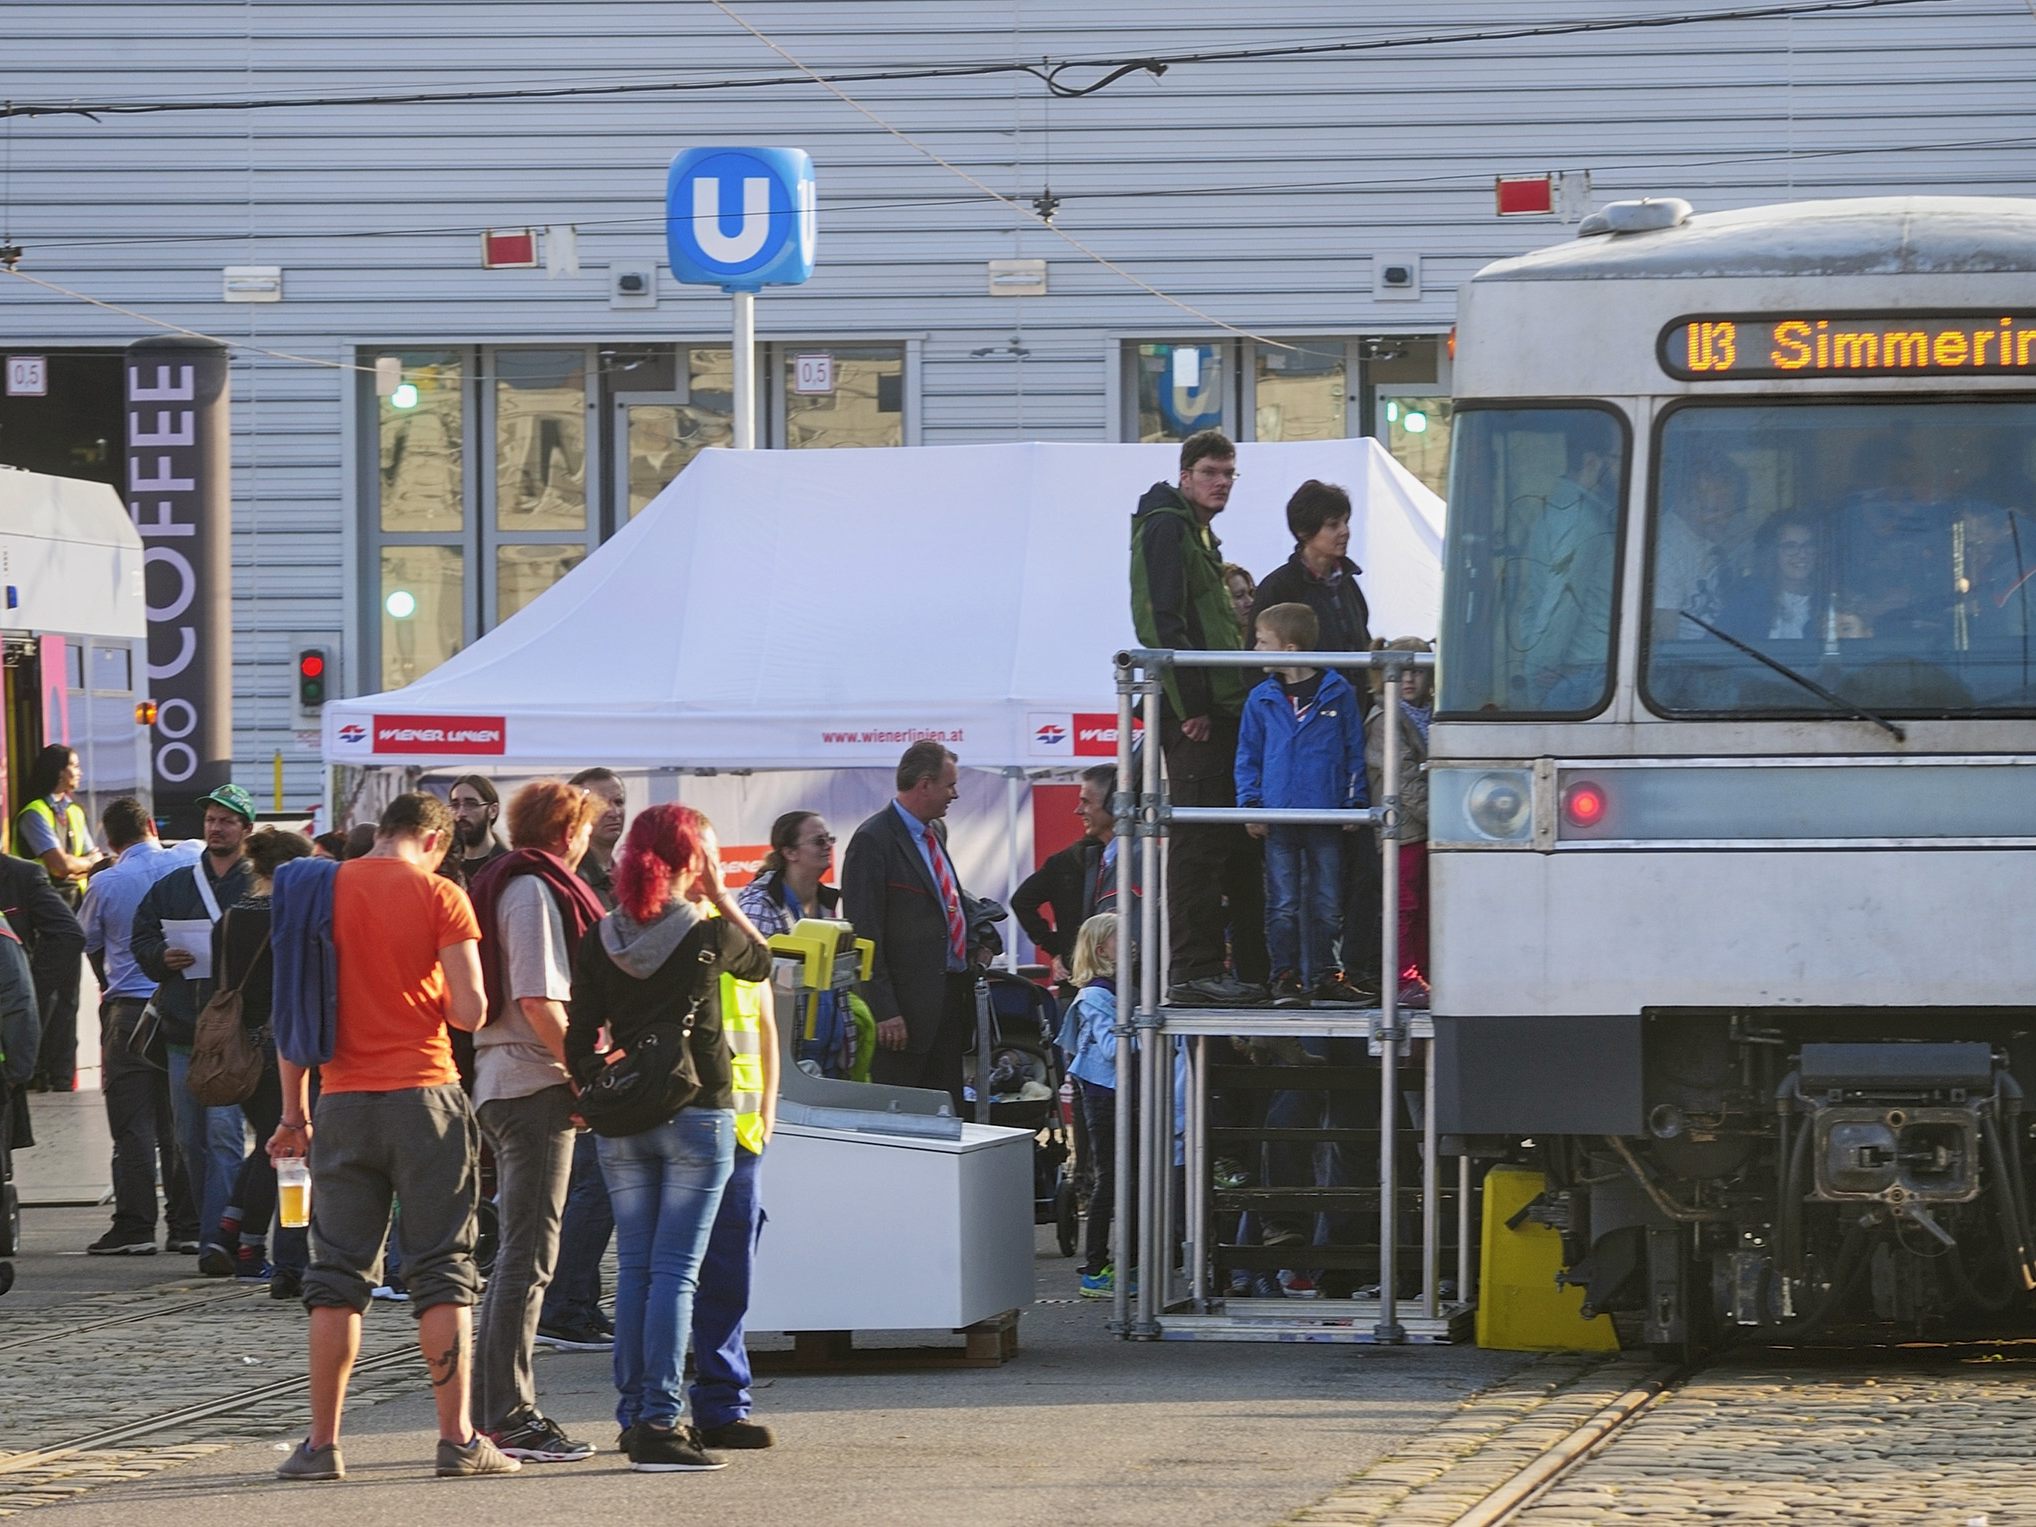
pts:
pixel 803 609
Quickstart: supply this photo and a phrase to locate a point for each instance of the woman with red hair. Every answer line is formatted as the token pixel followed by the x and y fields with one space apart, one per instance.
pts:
pixel 660 954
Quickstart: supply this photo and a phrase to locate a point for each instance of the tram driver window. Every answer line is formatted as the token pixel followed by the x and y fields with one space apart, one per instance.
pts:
pixel 1531 560
pixel 1881 551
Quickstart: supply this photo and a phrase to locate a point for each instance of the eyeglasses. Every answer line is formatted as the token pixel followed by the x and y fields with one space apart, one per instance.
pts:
pixel 820 840
pixel 1217 474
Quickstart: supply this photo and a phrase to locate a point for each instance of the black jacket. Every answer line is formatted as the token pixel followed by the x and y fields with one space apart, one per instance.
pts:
pixel 892 900
pixel 1066 883
pixel 176 896
pixel 44 922
pixel 1338 604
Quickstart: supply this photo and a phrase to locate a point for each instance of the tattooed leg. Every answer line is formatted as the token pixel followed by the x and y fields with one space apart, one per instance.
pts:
pixel 445 1335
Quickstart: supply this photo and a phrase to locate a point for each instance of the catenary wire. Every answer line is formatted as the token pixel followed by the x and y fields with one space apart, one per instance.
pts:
pixel 1049 73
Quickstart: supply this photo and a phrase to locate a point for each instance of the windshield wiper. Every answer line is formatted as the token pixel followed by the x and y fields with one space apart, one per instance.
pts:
pixel 1835 701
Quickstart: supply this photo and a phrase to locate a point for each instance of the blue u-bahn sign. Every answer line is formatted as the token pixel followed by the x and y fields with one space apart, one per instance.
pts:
pixel 741 218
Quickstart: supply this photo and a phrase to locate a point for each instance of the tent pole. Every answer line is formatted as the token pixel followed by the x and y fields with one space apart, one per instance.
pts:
pixel 1017 873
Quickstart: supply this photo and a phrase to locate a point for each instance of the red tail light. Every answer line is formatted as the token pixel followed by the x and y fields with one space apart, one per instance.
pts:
pixel 1583 804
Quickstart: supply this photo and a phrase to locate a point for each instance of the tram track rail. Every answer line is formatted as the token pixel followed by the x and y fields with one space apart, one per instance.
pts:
pixel 134 1317
pixel 132 1431
pixel 1507 1501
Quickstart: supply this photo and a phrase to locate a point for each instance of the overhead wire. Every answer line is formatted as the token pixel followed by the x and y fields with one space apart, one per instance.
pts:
pixel 1049 73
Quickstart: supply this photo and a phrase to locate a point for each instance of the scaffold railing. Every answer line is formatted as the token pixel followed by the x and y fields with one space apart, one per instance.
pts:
pixel 1148 1305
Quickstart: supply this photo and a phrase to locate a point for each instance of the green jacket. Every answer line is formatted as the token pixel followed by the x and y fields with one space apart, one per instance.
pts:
pixel 1179 603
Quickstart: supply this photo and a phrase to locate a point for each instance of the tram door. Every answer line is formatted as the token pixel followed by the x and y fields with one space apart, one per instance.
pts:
pixel 22 736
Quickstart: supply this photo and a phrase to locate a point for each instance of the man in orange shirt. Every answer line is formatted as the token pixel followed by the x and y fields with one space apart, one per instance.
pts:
pixel 393 1123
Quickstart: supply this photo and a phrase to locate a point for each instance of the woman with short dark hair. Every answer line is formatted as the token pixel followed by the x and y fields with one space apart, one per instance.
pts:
pixel 1320 573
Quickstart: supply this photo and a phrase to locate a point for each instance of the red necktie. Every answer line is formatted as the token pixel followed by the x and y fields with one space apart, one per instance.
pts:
pixel 950 902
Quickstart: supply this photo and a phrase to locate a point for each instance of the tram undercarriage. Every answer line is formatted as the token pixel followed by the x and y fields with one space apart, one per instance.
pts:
pixel 1797 1176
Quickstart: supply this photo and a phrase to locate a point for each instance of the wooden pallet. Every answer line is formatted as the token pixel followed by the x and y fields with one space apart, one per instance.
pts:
pixel 987 1344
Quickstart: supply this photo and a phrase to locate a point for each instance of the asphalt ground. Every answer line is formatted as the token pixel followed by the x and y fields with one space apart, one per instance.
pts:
pixel 1078 1427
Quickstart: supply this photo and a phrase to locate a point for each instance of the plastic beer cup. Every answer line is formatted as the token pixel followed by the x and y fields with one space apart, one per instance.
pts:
pixel 293 1192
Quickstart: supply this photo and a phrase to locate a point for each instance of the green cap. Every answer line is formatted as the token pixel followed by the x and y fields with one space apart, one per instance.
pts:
pixel 233 798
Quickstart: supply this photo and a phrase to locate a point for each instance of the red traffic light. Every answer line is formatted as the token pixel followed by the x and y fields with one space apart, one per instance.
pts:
pixel 311 665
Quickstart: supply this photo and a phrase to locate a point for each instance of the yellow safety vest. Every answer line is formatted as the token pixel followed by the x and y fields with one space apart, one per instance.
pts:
pixel 742 1022
pixel 76 834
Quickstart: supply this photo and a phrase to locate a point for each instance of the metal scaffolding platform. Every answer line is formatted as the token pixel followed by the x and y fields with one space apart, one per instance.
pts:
pixel 1176 1204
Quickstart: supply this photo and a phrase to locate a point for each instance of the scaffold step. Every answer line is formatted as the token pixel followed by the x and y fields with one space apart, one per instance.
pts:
pixel 1353 1321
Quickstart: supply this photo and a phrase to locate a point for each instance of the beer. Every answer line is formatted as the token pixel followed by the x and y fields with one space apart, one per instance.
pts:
pixel 293 1192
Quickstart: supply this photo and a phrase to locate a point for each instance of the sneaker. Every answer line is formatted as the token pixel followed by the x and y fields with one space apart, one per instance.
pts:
pixel 479 1456
pixel 1299 1286
pixel 1266 1286
pixel 308 1462
pixel 1284 1235
pixel 1287 990
pixel 1099 1285
pixel 395 1291
pixel 250 1266
pixel 625 1440
pixel 539 1439
pixel 670 1450
pixel 1414 994
pixel 738 1435
pixel 286 1283
pixel 1335 989
pixel 1214 991
pixel 183 1246
pixel 121 1243
pixel 1229 1173
pixel 575 1338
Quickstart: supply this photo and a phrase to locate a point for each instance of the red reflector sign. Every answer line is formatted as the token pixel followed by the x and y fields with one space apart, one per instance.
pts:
pixel 1525 195
pixel 508 248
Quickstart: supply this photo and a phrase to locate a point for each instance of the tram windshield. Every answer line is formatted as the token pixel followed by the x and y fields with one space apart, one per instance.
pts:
pixel 1532 560
pixel 1885 550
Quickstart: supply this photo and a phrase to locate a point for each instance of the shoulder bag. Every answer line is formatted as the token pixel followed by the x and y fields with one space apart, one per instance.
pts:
pixel 656 1076
pixel 226 1063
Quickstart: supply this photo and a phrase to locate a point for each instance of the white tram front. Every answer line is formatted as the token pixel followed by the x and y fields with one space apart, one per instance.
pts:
pixel 1731 805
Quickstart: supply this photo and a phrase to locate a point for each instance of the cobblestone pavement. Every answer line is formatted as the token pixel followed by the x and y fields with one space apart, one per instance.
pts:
pixel 1917 1434
pixel 1935 1435
pixel 78 1369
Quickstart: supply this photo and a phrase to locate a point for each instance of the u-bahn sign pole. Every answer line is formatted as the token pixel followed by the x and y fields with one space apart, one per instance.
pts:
pixel 741 219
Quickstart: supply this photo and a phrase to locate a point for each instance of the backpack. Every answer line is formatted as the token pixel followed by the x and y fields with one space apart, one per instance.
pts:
pixel 226 1063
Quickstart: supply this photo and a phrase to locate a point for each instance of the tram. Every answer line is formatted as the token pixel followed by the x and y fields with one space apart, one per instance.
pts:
pixel 1731 794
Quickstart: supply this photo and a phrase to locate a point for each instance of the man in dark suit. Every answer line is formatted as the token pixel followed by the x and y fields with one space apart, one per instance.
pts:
pixel 903 894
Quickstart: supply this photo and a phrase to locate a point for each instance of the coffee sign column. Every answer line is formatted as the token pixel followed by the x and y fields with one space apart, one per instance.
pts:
pixel 179 491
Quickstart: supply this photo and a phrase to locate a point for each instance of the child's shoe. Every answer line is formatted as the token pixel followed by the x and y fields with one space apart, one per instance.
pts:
pixel 1298 1285
pixel 1099 1285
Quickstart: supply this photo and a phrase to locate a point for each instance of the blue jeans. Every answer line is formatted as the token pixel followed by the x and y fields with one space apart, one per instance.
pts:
pixel 574 1298
pixel 1303 899
pixel 665 1186
pixel 720 1392
pixel 212 1141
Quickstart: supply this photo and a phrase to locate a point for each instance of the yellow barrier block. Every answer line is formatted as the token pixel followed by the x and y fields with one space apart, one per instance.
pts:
pixel 1520 1308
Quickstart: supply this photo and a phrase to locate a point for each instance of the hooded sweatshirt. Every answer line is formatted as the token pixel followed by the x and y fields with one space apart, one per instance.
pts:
pixel 636 974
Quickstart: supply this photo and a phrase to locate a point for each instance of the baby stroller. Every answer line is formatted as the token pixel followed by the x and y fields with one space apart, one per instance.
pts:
pixel 1024 1081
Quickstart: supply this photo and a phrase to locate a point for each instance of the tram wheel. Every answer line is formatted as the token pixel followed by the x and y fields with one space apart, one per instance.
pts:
pixel 1067 1216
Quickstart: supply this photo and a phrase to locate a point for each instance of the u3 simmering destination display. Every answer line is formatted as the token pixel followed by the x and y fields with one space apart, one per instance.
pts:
pixel 1850 344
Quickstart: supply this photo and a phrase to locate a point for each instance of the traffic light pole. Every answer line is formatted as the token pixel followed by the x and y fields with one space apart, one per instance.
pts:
pixel 744 344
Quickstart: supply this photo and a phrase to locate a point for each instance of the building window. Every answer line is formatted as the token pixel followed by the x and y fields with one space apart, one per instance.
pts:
pixel 1173 389
pixel 1303 392
pixel 669 407
pixel 839 395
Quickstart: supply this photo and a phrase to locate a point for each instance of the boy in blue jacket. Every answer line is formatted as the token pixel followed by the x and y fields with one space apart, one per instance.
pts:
pixel 1301 746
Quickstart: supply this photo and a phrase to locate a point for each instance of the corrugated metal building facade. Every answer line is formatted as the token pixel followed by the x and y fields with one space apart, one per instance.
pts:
pixel 1270 193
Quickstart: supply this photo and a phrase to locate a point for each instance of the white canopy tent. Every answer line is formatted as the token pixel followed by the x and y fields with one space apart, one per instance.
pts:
pixel 822 609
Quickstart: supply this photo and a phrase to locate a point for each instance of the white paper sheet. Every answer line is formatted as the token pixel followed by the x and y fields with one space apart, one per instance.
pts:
pixel 193 935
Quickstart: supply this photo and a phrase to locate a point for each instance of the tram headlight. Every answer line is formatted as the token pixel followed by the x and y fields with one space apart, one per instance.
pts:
pixel 1500 804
